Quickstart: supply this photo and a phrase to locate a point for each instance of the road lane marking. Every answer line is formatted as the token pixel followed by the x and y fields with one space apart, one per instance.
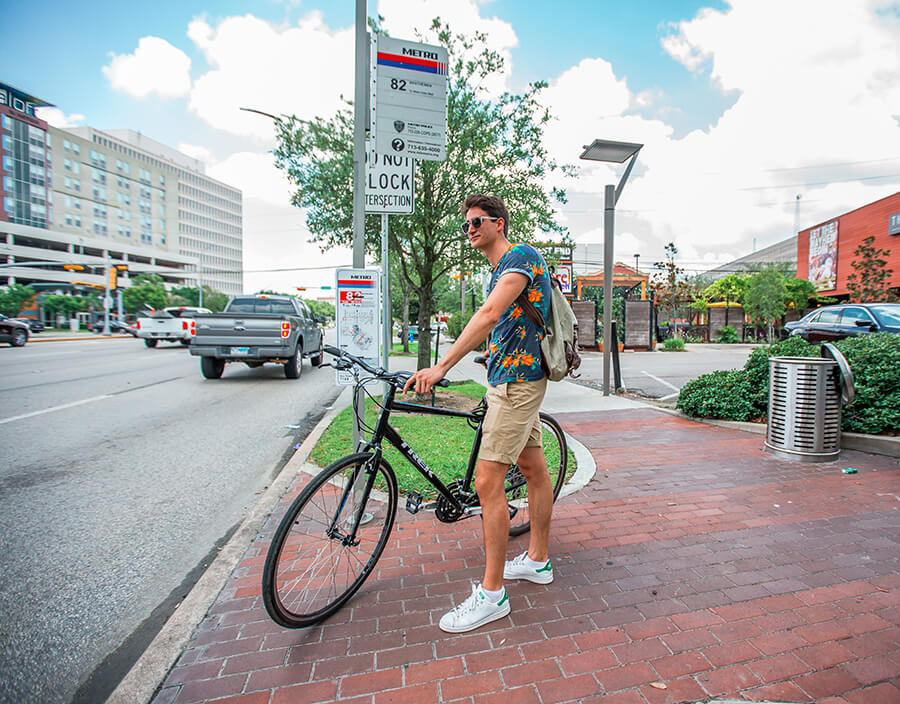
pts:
pixel 666 398
pixel 55 408
pixel 661 381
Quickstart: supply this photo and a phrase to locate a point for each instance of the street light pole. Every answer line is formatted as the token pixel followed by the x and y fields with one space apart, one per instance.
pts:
pixel 617 152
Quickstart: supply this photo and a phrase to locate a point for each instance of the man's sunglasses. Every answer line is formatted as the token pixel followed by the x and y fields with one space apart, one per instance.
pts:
pixel 474 223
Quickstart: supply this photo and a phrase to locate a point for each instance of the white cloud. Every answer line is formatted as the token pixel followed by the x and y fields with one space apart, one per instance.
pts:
pixel 411 18
pixel 301 70
pixel 57 118
pixel 155 67
pixel 197 151
pixel 816 84
pixel 256 175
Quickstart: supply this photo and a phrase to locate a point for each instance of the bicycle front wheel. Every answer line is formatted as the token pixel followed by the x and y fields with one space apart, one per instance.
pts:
pixel 317 561
pixel 557 455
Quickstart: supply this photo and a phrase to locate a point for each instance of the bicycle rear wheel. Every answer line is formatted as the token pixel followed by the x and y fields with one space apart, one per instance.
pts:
pixel 314 564
pixel 556 454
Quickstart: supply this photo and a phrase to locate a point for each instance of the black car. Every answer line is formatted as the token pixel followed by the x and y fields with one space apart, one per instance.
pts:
pixel 846 320
pixel 33 325
pixel 114 326
pixel 13 331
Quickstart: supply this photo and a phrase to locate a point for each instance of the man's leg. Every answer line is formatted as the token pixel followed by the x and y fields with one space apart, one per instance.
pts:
pixel 533 466
pixel 490 483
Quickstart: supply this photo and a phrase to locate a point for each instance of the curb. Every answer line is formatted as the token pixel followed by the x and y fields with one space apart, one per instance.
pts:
pixel 150 670
pixel 887 445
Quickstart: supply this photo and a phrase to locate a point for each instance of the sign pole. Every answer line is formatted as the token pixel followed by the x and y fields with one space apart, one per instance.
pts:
pixel 359 174
pixel 106 296
pixel 386 295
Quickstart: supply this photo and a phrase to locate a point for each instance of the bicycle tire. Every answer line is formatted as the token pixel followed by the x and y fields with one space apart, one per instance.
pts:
pixel 557 456
pixel 308 575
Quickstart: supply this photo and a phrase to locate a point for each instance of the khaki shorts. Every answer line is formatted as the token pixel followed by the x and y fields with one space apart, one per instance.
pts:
pixel 512 422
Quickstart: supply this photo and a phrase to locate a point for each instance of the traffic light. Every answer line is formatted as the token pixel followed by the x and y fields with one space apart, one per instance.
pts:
pixel 301 288
pixel 113 273
pixel 73 267
pixel 122 267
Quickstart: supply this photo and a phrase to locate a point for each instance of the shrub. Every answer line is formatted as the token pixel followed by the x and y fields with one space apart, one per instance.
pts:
pixel 721 394
pixel 757 368
pixel 727 335
pixel 875 362
pixel 673 344
pixel 744 394
pixel 457 322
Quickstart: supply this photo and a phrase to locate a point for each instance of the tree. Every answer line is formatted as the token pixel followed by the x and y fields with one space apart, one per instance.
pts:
pixel 493 146
pixel 799 291
pixel 765 298
pixel 145 290
pixel 66 306
pixel 671 290
pixel 190 296
pixel 323 308
pixel 13 297
pixel 869 281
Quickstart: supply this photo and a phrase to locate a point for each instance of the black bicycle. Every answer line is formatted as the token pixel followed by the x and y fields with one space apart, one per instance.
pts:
pixel 334 532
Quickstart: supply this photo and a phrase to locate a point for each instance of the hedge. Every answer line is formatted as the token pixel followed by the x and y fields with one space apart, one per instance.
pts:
pixel 743 394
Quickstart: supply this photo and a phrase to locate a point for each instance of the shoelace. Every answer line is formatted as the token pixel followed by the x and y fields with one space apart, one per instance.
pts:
pixel 469 604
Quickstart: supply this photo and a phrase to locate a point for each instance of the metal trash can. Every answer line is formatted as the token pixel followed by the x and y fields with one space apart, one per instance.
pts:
pixel 805 399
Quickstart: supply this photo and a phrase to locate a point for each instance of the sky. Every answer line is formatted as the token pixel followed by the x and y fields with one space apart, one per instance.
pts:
pixel 758 117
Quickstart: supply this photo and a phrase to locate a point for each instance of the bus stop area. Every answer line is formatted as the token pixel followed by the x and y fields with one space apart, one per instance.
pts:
pixel 692 565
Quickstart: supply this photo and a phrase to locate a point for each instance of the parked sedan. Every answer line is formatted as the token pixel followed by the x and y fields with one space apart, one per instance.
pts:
pixel 33 325
pixel 13 331
pixel 846 320
pixel 114 326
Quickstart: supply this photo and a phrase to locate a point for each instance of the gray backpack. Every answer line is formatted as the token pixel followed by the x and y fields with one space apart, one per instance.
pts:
pixel 559 348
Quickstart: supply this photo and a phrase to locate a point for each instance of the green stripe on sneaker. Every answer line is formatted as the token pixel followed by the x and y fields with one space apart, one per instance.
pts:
pixel 505 598
pixel 546 568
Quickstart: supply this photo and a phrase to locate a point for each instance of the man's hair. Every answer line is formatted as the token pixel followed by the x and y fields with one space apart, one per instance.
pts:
pixel 492 205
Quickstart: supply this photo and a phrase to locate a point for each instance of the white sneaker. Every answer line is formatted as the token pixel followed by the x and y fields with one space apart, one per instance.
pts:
pixel 474 612
pixel 517 568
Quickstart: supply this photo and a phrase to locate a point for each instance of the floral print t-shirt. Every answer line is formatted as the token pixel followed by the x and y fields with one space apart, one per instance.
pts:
pixel 515 342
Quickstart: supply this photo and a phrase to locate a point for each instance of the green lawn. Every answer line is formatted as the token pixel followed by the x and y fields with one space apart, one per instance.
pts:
pixel 443 443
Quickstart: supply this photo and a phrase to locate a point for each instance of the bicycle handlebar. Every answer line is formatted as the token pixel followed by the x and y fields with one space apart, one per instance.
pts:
pixel 396 378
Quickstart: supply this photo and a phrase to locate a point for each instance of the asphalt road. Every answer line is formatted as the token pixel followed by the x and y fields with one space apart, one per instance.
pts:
pixel 122 471
pixel 659 375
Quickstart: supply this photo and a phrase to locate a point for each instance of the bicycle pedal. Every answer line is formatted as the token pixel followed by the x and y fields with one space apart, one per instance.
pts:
pixel 413 502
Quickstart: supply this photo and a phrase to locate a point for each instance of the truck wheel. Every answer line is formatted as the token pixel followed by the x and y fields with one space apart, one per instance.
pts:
pixel 211 367
pixel 294 365
pixel 316 359
pixel 150 343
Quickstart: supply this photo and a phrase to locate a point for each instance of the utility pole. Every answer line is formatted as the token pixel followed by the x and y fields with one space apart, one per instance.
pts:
pixel 359 175
pixel 106 297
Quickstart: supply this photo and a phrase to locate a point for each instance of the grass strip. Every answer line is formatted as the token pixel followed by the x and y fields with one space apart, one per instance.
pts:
pixel 444 443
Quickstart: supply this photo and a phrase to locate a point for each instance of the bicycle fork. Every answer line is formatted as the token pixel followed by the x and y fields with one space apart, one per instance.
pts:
pixel 357 492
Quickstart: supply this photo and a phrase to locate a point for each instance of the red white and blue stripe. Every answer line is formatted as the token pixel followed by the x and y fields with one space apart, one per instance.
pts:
pixel 356 284
pixel 412 63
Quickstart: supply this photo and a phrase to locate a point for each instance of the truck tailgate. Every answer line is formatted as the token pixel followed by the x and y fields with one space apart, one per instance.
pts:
pixel 240 330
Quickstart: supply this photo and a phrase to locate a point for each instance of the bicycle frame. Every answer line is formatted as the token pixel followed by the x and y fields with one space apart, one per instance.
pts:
pixel 385 431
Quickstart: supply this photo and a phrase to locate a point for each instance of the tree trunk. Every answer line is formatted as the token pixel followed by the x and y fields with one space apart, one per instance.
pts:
pixel 404 328
pixel 425 306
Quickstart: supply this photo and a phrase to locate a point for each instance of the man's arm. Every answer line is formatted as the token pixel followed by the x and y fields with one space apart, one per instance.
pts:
pixel 477 329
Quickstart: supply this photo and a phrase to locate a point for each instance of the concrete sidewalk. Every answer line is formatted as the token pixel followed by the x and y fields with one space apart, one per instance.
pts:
pixel 693 565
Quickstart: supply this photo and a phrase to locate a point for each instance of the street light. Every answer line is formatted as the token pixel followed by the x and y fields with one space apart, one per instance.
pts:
pixel 617 152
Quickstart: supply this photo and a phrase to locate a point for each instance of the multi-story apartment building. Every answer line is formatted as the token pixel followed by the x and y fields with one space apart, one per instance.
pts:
pixel 85 192
pixel 25 156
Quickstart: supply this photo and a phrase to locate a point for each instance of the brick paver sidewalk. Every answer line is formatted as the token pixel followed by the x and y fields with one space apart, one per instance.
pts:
pixel 694 565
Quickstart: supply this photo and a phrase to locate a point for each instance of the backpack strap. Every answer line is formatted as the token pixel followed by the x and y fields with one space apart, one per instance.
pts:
pixel 534 315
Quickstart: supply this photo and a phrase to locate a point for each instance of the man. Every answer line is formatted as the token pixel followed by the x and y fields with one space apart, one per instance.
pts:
pixel 511 427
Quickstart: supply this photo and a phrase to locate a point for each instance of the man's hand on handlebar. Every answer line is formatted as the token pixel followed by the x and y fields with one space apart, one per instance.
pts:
pixel 424 379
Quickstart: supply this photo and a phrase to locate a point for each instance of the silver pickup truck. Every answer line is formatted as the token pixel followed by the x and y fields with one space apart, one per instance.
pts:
pixel 255 330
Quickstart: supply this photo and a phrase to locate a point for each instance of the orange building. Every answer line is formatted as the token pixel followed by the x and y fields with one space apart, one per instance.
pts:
pixel 825 252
